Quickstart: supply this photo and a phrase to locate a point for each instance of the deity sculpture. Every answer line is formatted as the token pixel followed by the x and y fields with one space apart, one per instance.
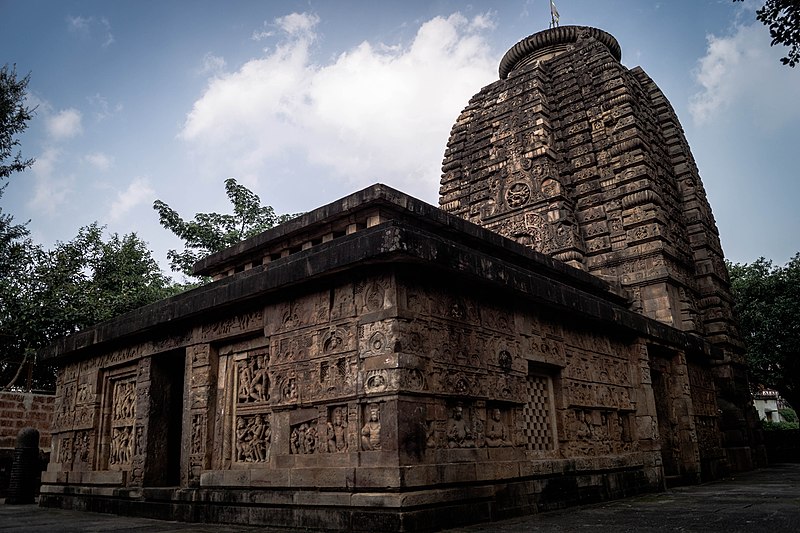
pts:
pixel 459 434
pixel 259 382
pixel 496 431
pixel 337 431
pixel 371 432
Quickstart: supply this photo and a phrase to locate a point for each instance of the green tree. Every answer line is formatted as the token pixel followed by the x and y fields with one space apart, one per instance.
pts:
pixel 212 232
pixel 782 17
pixel 767 302
pixel 52 293
pixel 14 117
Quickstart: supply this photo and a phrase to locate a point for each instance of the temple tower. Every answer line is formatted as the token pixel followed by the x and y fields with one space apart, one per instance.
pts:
pixel 580 158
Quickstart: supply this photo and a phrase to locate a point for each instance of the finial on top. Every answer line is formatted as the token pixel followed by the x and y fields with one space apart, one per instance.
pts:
pixel 554 16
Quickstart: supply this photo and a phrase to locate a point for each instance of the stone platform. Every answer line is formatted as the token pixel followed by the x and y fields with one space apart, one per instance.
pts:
pixel 757 501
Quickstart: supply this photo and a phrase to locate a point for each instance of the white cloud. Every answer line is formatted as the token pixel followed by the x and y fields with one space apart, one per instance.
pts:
pixel 45 163
pixel 78 24
pixel 376 110
pixel 88 27
pixel 294 24
pixel 99 160
pixel 102 109
pixel 298 23
pixel 138 191
pixel 49 193
pixel 65 124
pixel 212 64
pixel 740 73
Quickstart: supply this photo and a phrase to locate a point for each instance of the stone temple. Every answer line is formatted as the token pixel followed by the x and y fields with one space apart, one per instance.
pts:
pixel 559 331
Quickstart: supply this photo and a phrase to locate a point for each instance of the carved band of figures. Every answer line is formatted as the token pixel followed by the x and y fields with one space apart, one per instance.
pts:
pixel 465 430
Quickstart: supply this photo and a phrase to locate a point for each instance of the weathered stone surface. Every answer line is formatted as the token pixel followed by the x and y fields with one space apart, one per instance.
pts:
pixel 422 370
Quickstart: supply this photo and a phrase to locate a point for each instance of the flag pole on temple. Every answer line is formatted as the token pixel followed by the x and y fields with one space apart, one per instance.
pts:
pixel 553 14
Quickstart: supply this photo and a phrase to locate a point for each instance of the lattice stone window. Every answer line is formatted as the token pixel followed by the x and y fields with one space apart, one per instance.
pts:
pixel 538 429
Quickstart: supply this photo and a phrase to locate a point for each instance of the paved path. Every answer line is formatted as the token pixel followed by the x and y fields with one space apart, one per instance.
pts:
pixel 764 501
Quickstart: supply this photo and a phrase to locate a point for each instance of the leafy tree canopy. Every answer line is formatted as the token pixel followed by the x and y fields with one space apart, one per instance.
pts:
pixel 212 232
pixel 46 294
pixel 767 301
pixel 782 17
pixel 14 117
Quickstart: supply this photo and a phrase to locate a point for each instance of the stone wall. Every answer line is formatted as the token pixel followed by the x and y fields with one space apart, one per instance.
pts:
pixel 417 373
pixel 578 157
pixel 25 409
pixel 19 410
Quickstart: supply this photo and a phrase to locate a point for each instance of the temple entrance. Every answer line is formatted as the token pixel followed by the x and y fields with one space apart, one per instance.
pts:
pixel 163 468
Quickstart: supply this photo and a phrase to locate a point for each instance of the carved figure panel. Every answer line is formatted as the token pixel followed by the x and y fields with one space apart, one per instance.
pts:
pixel 371 430
pixel 464 428
pixel 198 434
pixel 336 430
pixel 497 433
pixel 253 438
pixel 123 413
pixel 253 379
pixel 304 439
pixel 294 348
pixel 336 376
pixel 83 445
pixel 121 449
pixel 65 451
pixel 124 401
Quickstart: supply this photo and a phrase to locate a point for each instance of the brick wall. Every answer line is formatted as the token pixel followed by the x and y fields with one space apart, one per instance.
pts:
pixel 25 409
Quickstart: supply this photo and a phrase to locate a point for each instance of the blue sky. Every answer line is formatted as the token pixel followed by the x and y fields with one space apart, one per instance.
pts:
pixel 307 101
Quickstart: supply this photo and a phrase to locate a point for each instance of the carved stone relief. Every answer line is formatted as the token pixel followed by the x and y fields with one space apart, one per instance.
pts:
pixel 371 430
pixel 65 451
pixel 329 378
pixel 83 446
pixel 123 413
pixel 236 324
pixel 304 439
pixel 253 438
pixel 336 430
pixel 121 450
pixel 65 406
pixel 497 433
pixel 528 229
pixel 372 296
pixel 253 379
pixel 461 431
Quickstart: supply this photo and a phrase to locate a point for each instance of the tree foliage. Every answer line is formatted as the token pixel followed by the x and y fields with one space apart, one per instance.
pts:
pixel 782 17
pixel 14 117
pixel 51 293
pixel 767 302
pixel 212 232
